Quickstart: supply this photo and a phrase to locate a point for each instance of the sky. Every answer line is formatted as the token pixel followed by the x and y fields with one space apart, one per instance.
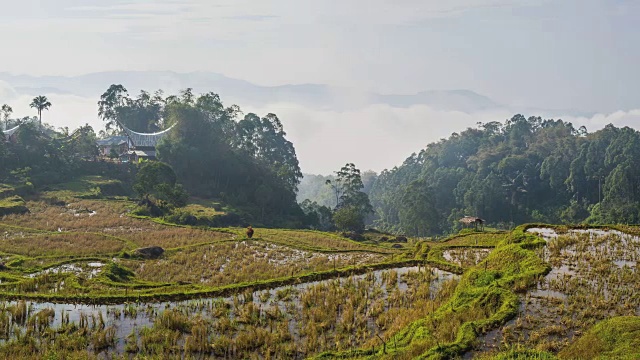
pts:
pixel 578 55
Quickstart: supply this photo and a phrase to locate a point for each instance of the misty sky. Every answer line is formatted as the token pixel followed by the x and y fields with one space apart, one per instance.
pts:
pixel 570 54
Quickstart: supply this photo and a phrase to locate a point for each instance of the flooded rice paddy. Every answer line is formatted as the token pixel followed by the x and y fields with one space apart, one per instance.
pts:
pixel 595 275
pixel 288 321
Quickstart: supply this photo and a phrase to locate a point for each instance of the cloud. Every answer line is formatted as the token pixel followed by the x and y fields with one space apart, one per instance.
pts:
pixel 66 111
pixel 7 92
pixel 380 136
pixel 629 118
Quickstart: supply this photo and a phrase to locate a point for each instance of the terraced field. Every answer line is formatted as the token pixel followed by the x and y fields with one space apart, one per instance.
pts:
pixel 74 285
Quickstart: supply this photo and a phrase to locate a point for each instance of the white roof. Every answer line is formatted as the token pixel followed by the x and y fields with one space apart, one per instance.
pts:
pixel 146 140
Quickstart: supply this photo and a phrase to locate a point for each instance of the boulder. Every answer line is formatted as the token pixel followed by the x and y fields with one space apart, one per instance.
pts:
pixel 151 252
pixel 400 239
pixel 396 246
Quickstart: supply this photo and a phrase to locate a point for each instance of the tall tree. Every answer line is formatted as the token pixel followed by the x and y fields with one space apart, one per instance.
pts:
pixel 6 112
pixel 110 101
pixel 40 103
pixel 264 139
pixel 353 204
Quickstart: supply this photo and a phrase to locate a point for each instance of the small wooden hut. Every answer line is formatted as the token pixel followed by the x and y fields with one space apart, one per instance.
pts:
pixel 474 221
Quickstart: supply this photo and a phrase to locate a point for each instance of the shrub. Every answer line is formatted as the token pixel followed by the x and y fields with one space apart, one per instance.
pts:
pixel 350 219
pixel 117 273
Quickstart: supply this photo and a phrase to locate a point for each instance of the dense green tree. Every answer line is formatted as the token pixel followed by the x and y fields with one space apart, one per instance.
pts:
pixel 247 163
pixel 157 180
pixel 110 101
pixel 349 218
pixel 418 214
pixel 6 112
pixel 318 216
pixel 264 139
pixel 144 113
pixel 351 200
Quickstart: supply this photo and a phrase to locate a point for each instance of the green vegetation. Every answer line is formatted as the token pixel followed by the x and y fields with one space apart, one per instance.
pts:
pixel 252 299
pixel 12 205
pixel 617 337
pixel 522 170
pixel 184 280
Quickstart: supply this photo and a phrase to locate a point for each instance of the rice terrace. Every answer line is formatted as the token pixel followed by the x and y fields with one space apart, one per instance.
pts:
pixel 134 245
pixel 74 287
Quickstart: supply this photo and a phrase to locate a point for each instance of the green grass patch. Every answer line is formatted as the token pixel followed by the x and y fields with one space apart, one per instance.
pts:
pixel 88 187
pixel 6 190
pixel 520 354
pixel 13 205
pixel 615 338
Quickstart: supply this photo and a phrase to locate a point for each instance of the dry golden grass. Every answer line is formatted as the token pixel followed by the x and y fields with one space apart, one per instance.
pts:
pixel 313 240
pixel 77 216
pixel 107 217
pixel 50 234
pixel 62 244
pixel 173 237
pixel 228 263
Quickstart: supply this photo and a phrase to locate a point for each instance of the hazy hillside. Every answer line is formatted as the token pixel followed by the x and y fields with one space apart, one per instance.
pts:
pixel 311 95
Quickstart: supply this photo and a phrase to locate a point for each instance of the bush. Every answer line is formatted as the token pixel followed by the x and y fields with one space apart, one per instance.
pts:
pixel 117 273
pixel 157 180
pixel 350 219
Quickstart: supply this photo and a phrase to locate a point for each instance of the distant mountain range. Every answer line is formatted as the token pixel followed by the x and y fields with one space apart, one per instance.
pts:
pixel 242 92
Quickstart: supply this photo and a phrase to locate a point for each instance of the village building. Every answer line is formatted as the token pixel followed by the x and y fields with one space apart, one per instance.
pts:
pixel 10 133
pixel 119 145
pixel 142 146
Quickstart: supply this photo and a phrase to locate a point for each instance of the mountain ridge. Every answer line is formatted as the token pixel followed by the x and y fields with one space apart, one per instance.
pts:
pixel 307 94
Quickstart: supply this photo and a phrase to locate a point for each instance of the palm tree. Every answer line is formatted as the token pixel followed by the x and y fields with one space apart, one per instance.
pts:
pixel 40 103
pixel 6 112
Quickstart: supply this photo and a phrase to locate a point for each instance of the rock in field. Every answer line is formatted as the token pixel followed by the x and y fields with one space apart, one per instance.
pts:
pixel 151 252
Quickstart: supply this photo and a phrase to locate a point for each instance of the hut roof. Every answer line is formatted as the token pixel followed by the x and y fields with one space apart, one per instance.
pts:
pixel 10 132
pixel 471 220
pixel 146 140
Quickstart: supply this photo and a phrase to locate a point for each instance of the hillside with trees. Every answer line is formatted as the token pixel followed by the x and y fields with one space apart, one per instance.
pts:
pixel 522 170
pixel 217 153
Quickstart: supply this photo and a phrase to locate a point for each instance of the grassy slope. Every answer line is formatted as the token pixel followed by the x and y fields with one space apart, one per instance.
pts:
pixel 615 338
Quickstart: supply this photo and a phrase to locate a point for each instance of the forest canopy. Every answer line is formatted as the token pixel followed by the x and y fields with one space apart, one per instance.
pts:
pixel 522 170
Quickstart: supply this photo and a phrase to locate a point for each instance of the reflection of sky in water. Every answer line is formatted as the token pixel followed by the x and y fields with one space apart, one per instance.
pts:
pixel 601 266
pixel 114 315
